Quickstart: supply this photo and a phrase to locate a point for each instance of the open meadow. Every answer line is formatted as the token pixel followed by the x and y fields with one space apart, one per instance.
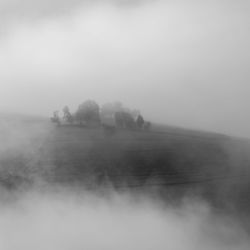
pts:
pixel 71 185
pixel 171 162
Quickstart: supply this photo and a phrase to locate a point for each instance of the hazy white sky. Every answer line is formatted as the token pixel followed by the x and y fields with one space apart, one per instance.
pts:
pixel 180 62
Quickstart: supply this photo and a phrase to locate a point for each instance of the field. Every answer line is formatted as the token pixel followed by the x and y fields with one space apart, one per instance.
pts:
pixel 169 161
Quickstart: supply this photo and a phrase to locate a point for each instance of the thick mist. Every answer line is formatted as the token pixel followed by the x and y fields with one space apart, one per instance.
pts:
pixel 67 220
pixel 183 63
pixel 80 186
pixel 38 214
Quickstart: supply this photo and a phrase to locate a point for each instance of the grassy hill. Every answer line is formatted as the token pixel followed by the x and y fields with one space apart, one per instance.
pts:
pixel 182 162
pixel 167 160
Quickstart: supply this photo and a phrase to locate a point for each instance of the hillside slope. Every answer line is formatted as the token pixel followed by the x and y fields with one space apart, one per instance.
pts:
pixel 213 166
pixel 173 161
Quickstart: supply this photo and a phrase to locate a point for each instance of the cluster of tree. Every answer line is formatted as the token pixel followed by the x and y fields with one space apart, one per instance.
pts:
pixel 110 115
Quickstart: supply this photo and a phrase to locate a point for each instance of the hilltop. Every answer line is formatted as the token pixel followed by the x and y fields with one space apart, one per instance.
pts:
pixel 173 161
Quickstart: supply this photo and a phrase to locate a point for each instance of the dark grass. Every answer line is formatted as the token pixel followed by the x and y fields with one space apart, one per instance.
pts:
pixel 171 161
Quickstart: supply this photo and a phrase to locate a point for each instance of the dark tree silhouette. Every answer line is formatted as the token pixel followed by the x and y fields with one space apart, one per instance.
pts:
pixel 147 125
pixel 56 118
pixel 140 121
pixel 124 120
pixel 88 113
pixel 67 116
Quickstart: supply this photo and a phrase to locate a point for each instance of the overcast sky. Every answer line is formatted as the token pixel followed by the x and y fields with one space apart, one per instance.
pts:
pixel 182 62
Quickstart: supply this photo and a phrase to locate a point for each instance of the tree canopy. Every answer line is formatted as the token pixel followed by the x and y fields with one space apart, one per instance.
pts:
pixel 112 114
pixel 88 112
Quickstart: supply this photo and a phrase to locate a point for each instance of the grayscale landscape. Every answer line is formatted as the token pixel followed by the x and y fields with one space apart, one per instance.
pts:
pixel 124 125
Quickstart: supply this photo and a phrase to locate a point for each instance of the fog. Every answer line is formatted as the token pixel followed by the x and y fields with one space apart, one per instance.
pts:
pixel 45 215
pixel 184 63
pixel 55 221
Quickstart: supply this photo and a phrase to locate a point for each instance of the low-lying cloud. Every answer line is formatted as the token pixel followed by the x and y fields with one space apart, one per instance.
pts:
pixel 30 10
pixel 188 58
pixel 58 217
pixel 61 222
